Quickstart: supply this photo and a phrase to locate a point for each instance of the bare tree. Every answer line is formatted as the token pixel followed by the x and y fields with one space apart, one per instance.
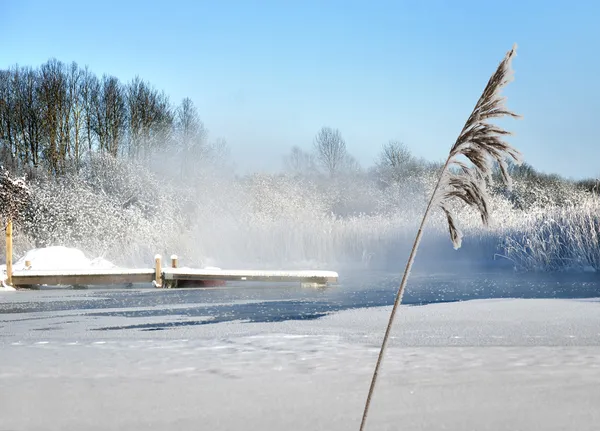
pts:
pixel 52 95
pixel 150 118
pixel 395 154
pixel 162 121
pixel 74 94
pixel 350 164
pixel 111 116
pixel 30 119
pixel 299 162
pixel 137 96
pixel 219 152
pixel 7 127
pixel 396 163
pixel 19 118
pixel 191 134
pixel 190 137
pixel 89 89
pixel 330 150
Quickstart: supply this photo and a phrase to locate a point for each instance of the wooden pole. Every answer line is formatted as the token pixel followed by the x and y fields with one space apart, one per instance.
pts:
pixel 173 261
pixel 9 252
pixel 157 271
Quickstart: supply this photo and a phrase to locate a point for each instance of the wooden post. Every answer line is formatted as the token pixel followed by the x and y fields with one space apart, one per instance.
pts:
pixel 27 264
pixel 157 271
pixel 9 252
pixel 170 284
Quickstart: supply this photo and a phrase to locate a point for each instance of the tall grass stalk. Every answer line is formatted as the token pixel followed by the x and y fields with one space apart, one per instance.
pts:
pixel 464 176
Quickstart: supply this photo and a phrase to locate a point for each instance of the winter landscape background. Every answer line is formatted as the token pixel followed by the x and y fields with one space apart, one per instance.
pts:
pixel 124 175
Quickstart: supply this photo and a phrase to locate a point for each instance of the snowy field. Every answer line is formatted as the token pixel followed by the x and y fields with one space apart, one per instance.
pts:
pixel 286 358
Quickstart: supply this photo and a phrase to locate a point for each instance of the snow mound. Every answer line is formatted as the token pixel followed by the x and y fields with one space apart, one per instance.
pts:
pixel 54 258
pixel 59 257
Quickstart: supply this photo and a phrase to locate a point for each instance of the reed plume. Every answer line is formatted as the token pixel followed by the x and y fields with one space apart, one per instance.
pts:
pixel 465 175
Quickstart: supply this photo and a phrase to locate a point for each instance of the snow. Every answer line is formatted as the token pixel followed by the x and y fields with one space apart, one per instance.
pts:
pixel 50 261
pixel 55 258
pixel 154 360
pixel 4 287
pixel 59 257
pixel 485 364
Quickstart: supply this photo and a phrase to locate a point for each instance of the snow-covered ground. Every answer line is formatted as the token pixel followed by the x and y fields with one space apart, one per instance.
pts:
pixel 506 364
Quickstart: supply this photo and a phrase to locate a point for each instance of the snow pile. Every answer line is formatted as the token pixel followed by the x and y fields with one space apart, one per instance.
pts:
pixel 59 257
pixel 54 258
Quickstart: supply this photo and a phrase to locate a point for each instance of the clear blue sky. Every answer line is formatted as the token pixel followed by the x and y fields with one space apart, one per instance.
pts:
pixel 266 75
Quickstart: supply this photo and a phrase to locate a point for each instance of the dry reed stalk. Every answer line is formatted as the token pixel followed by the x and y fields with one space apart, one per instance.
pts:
pixel 481 144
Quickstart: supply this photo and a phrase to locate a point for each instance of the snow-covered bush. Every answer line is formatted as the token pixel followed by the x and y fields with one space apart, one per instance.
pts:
pixel 14 195
pixel 106 210
pixel 127 213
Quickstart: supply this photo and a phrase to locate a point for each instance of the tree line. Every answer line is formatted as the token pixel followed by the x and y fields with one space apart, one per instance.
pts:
pixel 53 116
pixel 330 156
pixel 396 164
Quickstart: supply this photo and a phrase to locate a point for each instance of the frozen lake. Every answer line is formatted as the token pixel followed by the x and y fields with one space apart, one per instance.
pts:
pixel 283 357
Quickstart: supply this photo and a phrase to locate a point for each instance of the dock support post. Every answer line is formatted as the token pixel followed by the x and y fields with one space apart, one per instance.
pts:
pixel 9 252
pixel 170 284
pixel 157 271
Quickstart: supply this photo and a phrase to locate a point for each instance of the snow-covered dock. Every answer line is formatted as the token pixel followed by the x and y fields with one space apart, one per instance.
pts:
pixel 81 277
pixel 185 274
pixel 62 266
pixel 171 277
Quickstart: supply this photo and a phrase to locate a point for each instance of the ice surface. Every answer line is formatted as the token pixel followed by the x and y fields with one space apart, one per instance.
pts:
pixel 483 365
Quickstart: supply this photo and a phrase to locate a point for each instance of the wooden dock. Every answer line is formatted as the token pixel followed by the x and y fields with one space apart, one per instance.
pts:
pixel 163 277
pixel 183 274
pixel 159 276
pixel 81 277
pixel 169 277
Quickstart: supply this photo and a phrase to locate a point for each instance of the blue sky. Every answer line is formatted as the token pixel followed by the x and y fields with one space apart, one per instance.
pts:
pixel 266 75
